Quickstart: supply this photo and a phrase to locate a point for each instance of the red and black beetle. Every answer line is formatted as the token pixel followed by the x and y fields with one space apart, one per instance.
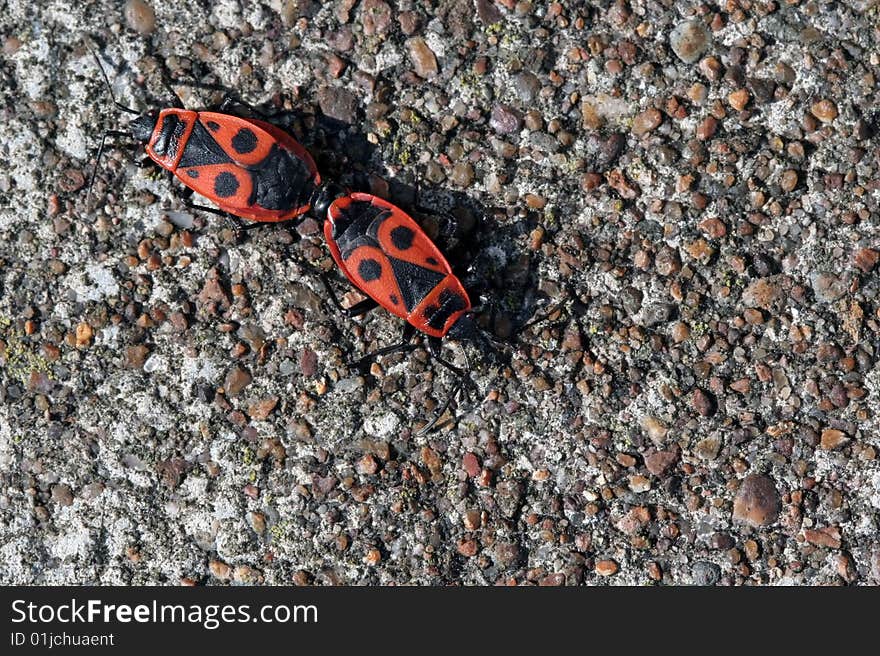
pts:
pixel 249 168
pixel 388 257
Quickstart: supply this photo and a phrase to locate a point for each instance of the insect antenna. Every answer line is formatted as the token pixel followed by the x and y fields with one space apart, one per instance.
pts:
pixel 108 133
pixel 110 88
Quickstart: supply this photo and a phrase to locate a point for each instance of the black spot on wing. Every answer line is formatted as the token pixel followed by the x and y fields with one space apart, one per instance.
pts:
pixel 226 184
pixel 244 141
pixel 193 173
pixel 394 300
pixel 415 282
pixel 431 260
pixel 402 237
pixel 213 126
pixel 370 270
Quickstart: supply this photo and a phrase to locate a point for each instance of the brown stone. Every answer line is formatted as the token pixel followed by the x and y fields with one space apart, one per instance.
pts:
pixel 471 464
pixel 657 462
pixel 757 501
pixel 739 99
pixel 423 59
pixel 467 547
pixel 375 16
pixel 432 460
pixel 606 568
pixel 212 292
pixel 367 465
pixel 789 180
pixel 667 261
pixel 711 68
pixel 866 259
pixel 833 438
pixel 247 574
pixel 689 40
pixel 220 570
pixel 135 356
pixel 236 380
pixel 655 429
pixel 704 403
pixel 753 316
pixel 680 332
pixel 471 520
pixel 742 386
pixel 140 16
pixel 619 182
pixel 646 122
pixel 764 292
pixel 825 110
pixel 824 537
pixel 84 334
pixel 639 483
pixel 62 494
pixel 707 128
pixel 261 409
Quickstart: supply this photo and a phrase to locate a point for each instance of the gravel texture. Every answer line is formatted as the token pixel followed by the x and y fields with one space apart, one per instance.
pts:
pixel 684 194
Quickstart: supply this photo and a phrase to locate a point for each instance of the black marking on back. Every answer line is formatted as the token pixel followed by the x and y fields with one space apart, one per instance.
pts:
pixel 168 141
pixel 358 225
pixel 354 225
pixel 415 282
pixel 244 141
pixel 431 260
pixel 394 300
pixel 202 150
pixel 193 173
pixel 450 303
pixel 213 126
pixel 369 269
pixel 282 181
pixel 226 184
pixel 402 237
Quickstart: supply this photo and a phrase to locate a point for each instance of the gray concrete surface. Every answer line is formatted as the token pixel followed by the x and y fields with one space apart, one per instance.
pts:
pixel 692 187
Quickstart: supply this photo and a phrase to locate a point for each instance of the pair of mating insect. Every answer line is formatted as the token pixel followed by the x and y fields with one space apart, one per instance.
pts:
pixel 255 171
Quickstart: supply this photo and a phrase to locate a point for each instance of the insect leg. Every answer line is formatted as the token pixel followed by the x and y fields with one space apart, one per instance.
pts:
pixel 452 395
pixel 238 227
pixel 165 74
pixel 434 348
pixel 355 310
pixel 463 380
pixel 205 208
pixel 543 316
pixel 176 102
pixel 230 102
pixel 360 308
pixel 401 347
